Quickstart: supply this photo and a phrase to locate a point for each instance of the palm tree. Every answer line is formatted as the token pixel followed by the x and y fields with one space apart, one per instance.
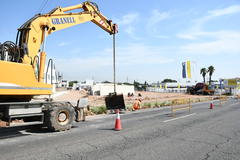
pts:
pixel 203 72
pixel 211 69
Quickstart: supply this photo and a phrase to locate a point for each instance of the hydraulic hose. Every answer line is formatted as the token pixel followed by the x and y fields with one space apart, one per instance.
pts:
pixel 9 52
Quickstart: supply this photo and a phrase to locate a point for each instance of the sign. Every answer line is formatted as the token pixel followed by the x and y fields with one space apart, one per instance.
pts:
pixel 179 86
pixel 189 70
pixel 184 70
pixel 63 20
pixel 232 82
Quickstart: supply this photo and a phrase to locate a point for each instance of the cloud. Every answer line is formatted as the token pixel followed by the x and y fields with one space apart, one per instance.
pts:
pixel 129 55
pixel 211 42
pixel 142 54
pixel 161 36
pixel 128 24
pixel 128 19
pixel 157 16
pixel 189 36
pixel 130 30
pixel 64 44
pixel 225 11
pixel 196 35
pixel 132 57
pixel 131 22
pixel 225 42
pixel 152 25
pixel 212 14
pixel 195 30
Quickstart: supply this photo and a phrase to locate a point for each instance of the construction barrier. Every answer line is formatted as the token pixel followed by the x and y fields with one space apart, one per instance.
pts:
pixel 118 125
pixel 183 107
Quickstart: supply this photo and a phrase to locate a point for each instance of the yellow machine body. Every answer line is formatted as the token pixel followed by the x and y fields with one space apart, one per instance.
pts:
pixel 20 79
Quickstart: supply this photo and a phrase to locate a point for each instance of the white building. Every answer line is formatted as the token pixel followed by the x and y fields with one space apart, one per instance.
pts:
pixel 170 87
pixel 104 89
pixel 63 83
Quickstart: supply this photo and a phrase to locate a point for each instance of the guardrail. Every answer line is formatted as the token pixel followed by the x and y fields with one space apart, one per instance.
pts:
pixel 182 107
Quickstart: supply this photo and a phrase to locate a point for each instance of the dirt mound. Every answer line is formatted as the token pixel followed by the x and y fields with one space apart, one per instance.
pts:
pixel 73 96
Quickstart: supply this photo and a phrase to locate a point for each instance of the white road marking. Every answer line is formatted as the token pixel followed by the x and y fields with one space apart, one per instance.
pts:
pixel 179 117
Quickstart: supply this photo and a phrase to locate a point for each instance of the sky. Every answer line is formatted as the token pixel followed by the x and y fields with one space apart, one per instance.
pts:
pixel 155 37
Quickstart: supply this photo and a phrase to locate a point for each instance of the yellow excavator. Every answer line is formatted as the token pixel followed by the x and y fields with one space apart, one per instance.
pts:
pixel 23 63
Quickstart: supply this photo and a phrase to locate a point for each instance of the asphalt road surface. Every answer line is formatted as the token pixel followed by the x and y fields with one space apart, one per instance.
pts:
pixel 151 134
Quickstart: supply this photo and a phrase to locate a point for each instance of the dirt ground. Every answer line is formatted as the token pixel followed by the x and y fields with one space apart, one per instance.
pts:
pixel 72 96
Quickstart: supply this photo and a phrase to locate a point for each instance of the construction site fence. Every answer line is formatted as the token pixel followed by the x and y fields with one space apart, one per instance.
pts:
pixel 235 91
pixel 175 108
pixel 223 99
pixel 167 90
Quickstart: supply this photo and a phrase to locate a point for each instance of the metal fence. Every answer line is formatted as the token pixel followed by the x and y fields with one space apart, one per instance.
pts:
pixel 234 91
pixel 167 90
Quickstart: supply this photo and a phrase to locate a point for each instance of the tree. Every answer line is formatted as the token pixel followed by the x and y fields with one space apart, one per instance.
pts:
pixel 71 83
pixel 211 69
pixel 127 83
pixel 203 72
pixel 137 85
pixel 106 82
pixel 167 80
pixel 145 86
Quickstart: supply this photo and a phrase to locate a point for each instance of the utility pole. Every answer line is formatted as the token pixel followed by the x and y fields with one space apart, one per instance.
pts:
pixel 114 63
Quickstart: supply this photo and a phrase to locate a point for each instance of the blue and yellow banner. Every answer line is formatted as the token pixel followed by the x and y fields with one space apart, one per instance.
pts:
pixel 184 70
pixel 189 69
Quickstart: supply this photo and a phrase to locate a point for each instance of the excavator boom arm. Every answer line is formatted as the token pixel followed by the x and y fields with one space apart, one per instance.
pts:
pixel 33 32
pixel 22 63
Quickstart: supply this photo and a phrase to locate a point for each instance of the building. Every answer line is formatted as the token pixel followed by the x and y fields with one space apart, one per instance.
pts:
pixel 104 89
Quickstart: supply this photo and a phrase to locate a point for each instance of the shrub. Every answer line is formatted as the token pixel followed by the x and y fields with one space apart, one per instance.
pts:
pixel 164 103
pixel 146 105
pixel 156 104
pixel 99 110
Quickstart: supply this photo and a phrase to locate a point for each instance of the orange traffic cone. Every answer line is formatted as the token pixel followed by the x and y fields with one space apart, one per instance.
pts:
pixel 118 125
pixel 211 105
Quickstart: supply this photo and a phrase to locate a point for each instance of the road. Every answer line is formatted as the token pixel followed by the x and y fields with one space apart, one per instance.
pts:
pixel 152 134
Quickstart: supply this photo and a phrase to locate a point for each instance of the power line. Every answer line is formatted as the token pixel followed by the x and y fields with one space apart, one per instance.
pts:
pixel 43 6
